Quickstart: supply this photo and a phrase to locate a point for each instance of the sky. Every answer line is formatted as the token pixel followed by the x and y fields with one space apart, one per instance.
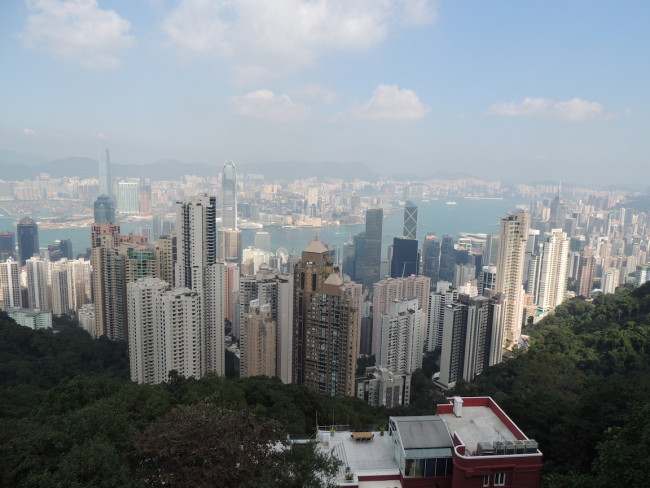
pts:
pixel 504 90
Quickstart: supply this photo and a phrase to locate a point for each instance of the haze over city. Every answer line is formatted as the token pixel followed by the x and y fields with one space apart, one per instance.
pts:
pixel 516 91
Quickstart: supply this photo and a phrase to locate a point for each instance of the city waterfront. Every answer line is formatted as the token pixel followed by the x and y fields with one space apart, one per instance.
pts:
pixel 467 215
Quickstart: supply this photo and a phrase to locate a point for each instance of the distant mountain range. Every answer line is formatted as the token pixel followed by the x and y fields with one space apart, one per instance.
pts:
pixel 14 166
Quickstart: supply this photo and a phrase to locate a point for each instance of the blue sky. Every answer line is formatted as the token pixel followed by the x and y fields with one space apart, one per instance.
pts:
pixel 511 90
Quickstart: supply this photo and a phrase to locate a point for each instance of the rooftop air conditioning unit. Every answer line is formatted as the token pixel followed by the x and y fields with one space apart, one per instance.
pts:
pixel 485 448
pixel 531 446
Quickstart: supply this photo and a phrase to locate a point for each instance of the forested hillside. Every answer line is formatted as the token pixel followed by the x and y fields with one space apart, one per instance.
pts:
pixel 583 391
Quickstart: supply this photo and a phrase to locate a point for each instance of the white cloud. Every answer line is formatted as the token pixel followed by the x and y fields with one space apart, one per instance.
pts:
pixel 264 104
pixel 28 132
pixel 77 31
pixel 319 93
pixel 575 110
pixel 281 35
pixel 389 102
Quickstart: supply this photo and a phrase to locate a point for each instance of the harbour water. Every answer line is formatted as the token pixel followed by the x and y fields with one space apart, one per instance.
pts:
pixel 475 216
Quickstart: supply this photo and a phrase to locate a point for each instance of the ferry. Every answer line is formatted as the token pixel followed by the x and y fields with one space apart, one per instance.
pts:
pixel 451 203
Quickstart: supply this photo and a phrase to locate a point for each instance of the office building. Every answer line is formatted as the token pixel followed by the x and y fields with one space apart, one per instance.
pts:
pixel 103 210
pixel 404 261
pixel 128 197
pixel 410 228
pixel 27 231
pixel 229 196
pixel 447 268
pixel 263 241
pixel 7 244
pixel 230 245
pixel 431 258
pixel 510 269
pixel 325 326
pixel 372 246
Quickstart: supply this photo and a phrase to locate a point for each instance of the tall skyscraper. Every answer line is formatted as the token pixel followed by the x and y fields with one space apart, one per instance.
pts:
pixel 7 244
pixel 389 290
pixel 447 259
pixel 27 231
pixel 410 220
pixel 372 246
pixel 103 210
pixel 197 269
pixel 431 258
pixel 443 296
pixel 230 245
pixel 105 181
pixel 472 338
pixel 128 197
pixel 263 240
pixel 258 342
pixel 229 196
pixel 325 326
pixel 510 270
pixel 37 286
pixel 585 280
pixel 165 331
pixel 109 288
pixel 10 292
pixel 405 257
pixel 400 336
pixel 553 266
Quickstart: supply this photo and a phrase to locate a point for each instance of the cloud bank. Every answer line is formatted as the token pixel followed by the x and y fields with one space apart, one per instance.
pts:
pixel 77 31
pixel 575 110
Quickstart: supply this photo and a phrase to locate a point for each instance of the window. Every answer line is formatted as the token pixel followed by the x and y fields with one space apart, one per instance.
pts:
pixel 486 480
pixel 499 479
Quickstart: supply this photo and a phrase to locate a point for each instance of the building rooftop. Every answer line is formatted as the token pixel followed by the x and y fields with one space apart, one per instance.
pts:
pixel 370 457
pixel 480 420
pixel 423 432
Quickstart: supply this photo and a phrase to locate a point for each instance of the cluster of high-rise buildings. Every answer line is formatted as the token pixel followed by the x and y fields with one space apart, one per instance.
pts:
pixel 185 299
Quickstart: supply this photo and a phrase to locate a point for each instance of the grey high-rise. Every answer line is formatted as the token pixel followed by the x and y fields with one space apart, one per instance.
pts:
pixel 372 246
pixel 229 196
pixel 27 239
pixel 103 210
pixel 410 220
pixel 105 181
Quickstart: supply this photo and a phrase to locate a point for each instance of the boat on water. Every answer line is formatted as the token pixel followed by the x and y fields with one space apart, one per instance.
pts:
pixel 451 203
pixel 250 225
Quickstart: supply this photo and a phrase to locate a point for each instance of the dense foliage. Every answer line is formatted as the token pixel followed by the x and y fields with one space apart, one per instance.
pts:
pixel 71 418
pixel 580 390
